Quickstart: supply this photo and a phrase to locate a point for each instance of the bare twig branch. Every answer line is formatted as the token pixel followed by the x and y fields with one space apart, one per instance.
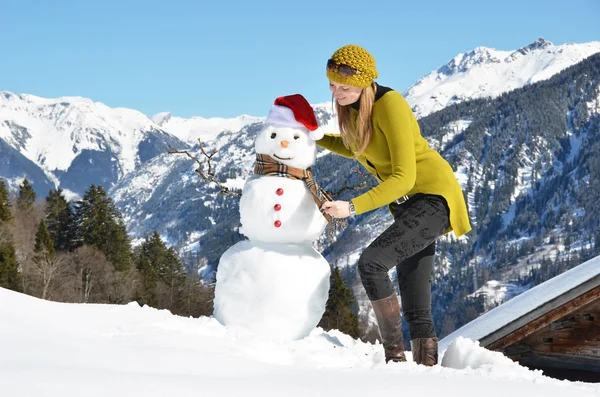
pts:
pixel 361 185
pixel 208 175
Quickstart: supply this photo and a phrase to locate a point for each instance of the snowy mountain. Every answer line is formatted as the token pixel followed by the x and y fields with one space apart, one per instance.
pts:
pixel 234 160
pixel 528 164
pixel 57 349
pixel 516 157
pixel 487 72
pixel 168 196
pixel 75 141
pixel 191 129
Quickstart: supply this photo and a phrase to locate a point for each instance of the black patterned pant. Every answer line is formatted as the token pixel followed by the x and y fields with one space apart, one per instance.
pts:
pixel 409 245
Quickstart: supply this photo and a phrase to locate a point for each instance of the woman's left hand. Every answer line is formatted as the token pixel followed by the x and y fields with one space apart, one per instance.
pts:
pixel 337 209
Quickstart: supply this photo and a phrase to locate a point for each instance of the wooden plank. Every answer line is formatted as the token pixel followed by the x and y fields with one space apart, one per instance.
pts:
pixel 568 323
pixel 536 323
pixel 583 338
pixel 584 324
pixel 517 349
pixel 562 362
pixel 590 288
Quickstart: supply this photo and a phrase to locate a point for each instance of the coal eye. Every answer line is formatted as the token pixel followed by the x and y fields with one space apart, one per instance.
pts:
pixel 273 135
pixel 296 136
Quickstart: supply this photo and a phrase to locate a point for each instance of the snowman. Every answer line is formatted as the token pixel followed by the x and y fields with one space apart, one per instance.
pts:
pixel 276 284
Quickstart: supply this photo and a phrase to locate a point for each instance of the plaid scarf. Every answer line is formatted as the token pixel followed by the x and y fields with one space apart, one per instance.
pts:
pixel 266 165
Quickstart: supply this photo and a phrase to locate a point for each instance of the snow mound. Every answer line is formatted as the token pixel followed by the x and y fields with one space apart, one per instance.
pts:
pixel 464 353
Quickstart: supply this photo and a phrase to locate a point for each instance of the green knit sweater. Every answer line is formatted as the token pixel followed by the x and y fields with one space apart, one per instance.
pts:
pixel 402 161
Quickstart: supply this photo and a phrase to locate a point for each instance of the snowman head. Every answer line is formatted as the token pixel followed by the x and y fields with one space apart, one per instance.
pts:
pixel 291 132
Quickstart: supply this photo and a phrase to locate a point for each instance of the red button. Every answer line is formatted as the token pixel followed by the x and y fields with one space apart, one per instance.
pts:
pixel 279 191
pixel 277 223
pixel 277 207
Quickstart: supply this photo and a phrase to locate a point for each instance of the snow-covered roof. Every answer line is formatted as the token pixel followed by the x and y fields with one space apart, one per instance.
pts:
pixel 531 304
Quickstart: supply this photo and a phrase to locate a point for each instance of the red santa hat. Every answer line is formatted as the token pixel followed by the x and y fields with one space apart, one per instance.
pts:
pixel 294 111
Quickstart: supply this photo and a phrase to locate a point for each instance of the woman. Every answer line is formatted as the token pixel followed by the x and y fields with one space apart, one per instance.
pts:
pixel 379 130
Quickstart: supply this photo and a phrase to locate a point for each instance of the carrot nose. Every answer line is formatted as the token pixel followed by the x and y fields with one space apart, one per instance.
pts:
pixel 284 144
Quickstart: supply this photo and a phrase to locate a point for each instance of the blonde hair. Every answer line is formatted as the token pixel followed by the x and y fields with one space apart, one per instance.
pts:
pixel 357 139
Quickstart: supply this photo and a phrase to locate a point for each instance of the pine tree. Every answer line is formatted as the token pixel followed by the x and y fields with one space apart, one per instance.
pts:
pixel 197 297
pixel 5 214
pixel 155 250
pixel 9 267
pixel 338 310
pixel 60 220
pixel 47 264
pixel 146 290
pixel 100 225
pixel 174 277
pixel 119 246
pixel 43 240
pixel 26 197
pixel 166 268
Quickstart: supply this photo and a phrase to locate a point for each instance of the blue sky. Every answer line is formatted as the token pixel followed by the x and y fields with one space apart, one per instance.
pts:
pixel 223 58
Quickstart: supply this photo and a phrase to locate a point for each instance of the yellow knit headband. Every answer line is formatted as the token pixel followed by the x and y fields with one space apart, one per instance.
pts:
pixel 357 58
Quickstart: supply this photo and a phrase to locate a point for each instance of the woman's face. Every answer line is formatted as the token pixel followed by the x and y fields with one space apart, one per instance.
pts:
pixel 344 94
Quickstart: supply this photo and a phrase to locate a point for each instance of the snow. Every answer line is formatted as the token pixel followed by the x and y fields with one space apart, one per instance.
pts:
pixel 297 220
pixel 288 145
pixel 70 195
pixel 524 184
pixel 525 303
pixel 235 183
pixel 274 290
pixel 278 209
pixel 452 130
pixel 276 283
pixel 495 292
pixel 60 350
pixel 137 188
pixel 575 141
pixel 190 129
pixel 52 132
pixel 59 129
pixel 594 105
pixel 465 353
pixel 487 72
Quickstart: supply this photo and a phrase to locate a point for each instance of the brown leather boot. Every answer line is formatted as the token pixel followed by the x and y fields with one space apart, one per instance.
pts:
pixel 387 312
pixel 425 351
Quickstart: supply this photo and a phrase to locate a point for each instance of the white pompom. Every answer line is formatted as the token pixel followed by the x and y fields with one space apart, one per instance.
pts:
pixel 316 134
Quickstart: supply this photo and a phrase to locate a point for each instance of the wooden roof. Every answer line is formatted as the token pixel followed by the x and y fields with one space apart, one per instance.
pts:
pixel 549 312
pixel 533 309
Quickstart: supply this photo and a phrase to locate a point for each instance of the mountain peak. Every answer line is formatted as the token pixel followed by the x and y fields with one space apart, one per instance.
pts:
pixel 161 118
pixel 488 72
pixel 539 44
pixel 464 61
pixel 7 94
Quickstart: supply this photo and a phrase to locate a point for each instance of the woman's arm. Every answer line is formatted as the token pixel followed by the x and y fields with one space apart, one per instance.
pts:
pixel 395 120
pixel 334 143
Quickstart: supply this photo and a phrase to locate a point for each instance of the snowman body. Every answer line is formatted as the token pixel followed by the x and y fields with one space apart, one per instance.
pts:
pixel 277 291
pixel 276 284
pixel 275 209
